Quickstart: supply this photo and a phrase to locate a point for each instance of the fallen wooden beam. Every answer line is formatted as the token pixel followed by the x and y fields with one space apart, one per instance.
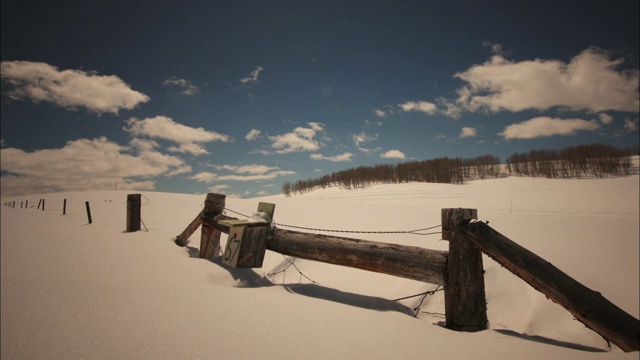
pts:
pixel 409 262
pixel 183 239
pixel 588 306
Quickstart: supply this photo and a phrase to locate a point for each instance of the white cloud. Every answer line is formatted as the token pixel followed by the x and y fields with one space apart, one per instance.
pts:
pixel 419 106
pixel 205 177
pixel 71 89
pixel 468 132
pixel 301 139
pixel 247 169
pixel 590 82
pixel 253 77
pixel 338 158
pixel 605 118
pixel 218 188
pixel 631 125
pixel 257 172
pixel 393 154
pixel 269 176
pixel 86 164
pixel 187 88
pixel 162 127
pixel 380 113
pixel 359 139
pixel 545 126
pixel 253 135
pixel 368 151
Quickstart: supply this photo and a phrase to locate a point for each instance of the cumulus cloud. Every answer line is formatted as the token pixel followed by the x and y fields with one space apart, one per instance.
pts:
pixel 185 86
pixel 338 158
pixel 205 177
pixel 468 132
pixel 590 82
pixel 300 139
pixel 253 135
pixel 71 89
pixel 189 139
pixel 393 154
pixel 86 164
pixel 546 126
pixel 419 106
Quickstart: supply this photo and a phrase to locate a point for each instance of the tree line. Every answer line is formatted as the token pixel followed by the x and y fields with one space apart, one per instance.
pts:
pixel 440 170
pixel 597 160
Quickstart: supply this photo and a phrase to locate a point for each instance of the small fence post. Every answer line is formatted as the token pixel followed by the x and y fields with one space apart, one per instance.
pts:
pixel 42 204
pixel 26 206
pixel 133 212
pixel 88 211
pixel 210 236
pixel 464 298
pixel 64 207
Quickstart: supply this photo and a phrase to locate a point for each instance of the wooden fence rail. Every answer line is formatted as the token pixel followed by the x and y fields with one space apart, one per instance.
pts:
pixel 460 270
pixel 588 306
pixel 399 260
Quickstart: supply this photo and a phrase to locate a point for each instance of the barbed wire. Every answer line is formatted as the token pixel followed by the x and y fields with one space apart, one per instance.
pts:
pixel 410 232
pixel 424 296
pixel 283 271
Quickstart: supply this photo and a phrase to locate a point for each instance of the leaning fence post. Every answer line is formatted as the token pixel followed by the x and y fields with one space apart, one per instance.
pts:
pixel 464 296
pixel 88 211
pixel 133 212
pixel 210 236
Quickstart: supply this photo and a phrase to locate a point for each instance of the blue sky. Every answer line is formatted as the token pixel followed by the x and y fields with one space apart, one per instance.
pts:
pixel 239 97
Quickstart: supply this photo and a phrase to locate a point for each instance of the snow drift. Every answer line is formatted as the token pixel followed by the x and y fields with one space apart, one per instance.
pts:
pixel 72 290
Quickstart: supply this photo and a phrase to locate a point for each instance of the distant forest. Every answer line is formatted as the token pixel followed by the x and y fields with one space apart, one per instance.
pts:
pixel 573 162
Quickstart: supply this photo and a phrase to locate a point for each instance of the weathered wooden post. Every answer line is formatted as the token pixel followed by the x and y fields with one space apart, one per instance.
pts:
pixel 26 204
pixel 133 212
pixel 210 236
pixel 86 203
pixel 464 298
pixel 64 207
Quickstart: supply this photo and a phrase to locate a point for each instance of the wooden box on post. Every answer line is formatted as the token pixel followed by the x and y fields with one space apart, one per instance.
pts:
pixel 246 245
pixel 247 242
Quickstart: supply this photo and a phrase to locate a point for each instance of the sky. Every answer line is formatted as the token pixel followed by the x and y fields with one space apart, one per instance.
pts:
pixel 239 97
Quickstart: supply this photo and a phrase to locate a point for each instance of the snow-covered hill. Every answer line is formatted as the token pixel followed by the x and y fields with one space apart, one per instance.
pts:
pixel 72 290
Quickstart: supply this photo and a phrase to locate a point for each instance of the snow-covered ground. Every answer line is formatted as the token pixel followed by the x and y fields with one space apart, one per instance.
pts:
pixel 75 291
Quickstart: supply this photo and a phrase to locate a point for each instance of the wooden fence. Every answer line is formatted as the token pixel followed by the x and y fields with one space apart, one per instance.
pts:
pixel 460 270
